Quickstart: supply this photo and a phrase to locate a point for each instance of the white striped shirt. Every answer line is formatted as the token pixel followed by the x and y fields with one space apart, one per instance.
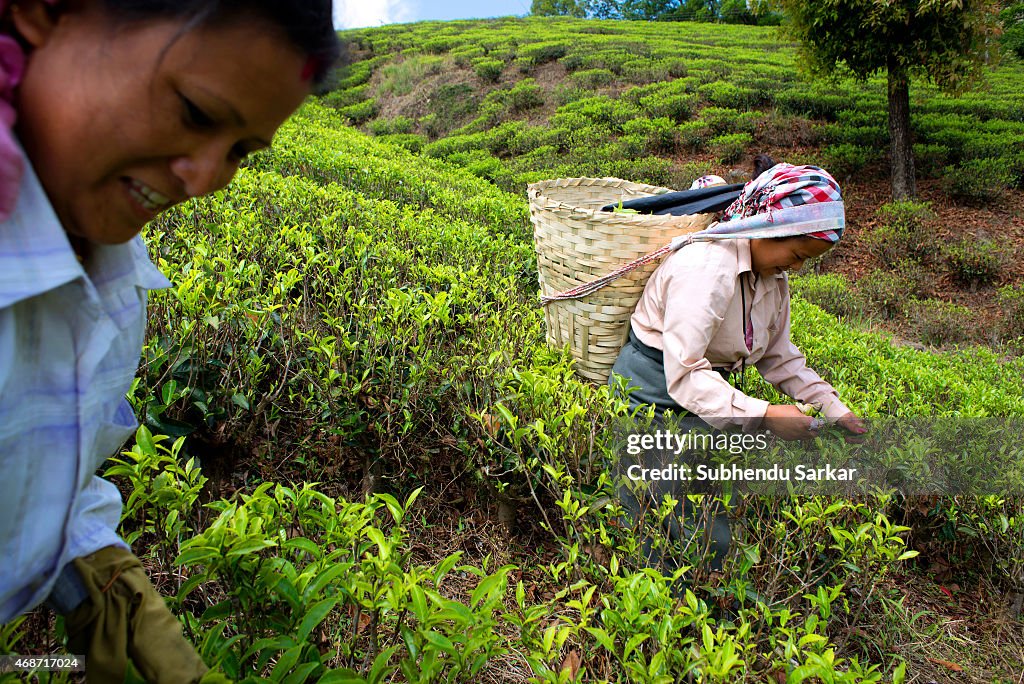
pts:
pixel 70 340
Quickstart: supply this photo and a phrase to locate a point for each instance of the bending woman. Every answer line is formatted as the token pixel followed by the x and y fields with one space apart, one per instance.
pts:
pixel 715 307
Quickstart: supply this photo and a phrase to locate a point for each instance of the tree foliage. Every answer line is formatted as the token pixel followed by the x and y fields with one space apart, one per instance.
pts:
pixel 726 11
pixel 947 41
pixel 559 8
pixel 1012 18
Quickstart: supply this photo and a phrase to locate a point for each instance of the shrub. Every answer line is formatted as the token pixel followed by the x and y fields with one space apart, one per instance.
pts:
pixel 525 139
pixel 488 69
pixel 541 53
pixel 466 55
pixel 399 124
pixel 572 61
pixel 568 92
pixel 904 233
pixel 930 159
pixel 525 95
pixel 725 94
pixel 992 144
pixel 729 148
pixel 857 117
pixel 975 262
pixel 656 135
pixel 678 107
pixel 358 113
pixel 876 137
pixel 845 160
pixel 813 102
pixel 653 170
pixel 828 291
pixel 1011 301
pixel 645 71
pixel 347 97
pixel 438 45
pixel 886 292
pixel 410 141
pixel 978 179
pixel 788 130
pixel 694 134
pixel 355 74
pixel 720 119
pixel 939 323
pixel 593 78
pixel 452 103
pixel 600 110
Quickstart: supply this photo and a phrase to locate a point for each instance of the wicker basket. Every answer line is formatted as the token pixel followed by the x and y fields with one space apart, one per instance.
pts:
pixel 577 242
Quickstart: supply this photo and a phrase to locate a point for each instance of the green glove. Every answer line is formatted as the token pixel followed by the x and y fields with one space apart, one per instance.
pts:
pixel 124 617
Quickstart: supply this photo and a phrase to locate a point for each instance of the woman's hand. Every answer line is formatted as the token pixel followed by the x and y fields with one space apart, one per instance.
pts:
pixel 787 422
pixel 854 425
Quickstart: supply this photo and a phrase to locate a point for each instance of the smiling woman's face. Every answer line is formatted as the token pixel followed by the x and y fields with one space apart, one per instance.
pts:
pixel 771 257
pixel 123 122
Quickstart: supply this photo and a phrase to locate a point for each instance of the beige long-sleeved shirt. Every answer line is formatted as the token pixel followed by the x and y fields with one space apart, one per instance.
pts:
pixel 692 310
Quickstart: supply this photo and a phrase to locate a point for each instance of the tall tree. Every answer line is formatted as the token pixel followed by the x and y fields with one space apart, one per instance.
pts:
pixel 1013 27
pixel 604 9
pixel 555 8
pixel 946 41
pixel 647 10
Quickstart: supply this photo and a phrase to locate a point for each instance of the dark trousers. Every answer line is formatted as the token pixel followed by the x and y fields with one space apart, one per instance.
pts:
pixel 693 530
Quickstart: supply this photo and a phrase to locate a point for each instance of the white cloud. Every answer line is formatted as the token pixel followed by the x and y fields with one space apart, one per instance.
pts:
pixel 363 13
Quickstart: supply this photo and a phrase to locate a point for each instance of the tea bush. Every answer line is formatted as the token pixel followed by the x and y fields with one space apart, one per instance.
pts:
pixel 930 160
pixel 657 135
pixel 830 292
pixel 397 125
pixel 846 160
pixel 976 262
pixel 1011 300
pixel 982 180
pixel 885 291
pixel 410 141
pixel 905 233
pixel 729 148
pixel 360 112
pixel 488 69
pixel 939 323
pixel 725 94
pixel 694 135
pixel 591 79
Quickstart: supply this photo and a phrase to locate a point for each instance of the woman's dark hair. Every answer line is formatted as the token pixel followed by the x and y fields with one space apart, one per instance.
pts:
pixel 308 25
pixel 762 163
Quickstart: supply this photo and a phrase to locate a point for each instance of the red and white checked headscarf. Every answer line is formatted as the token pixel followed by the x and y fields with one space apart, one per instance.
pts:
pixel 785 186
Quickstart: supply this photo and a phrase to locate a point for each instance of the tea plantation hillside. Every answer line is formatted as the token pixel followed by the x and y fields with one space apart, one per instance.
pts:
pixel 518 100
pixel 361 463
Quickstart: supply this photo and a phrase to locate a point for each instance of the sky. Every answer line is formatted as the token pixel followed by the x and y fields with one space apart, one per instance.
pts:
pixel 363 13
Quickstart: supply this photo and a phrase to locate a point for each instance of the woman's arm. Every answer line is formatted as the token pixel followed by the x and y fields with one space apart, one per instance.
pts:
pixel 785 367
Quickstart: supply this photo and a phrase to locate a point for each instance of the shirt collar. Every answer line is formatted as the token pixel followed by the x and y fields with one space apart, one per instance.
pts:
pixel 744 262
pixel 36 255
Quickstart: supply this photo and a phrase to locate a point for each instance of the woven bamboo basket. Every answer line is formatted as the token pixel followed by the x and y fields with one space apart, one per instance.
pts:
pixel 577 242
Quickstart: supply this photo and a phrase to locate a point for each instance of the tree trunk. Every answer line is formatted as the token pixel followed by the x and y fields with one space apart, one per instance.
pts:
pixel 901 149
